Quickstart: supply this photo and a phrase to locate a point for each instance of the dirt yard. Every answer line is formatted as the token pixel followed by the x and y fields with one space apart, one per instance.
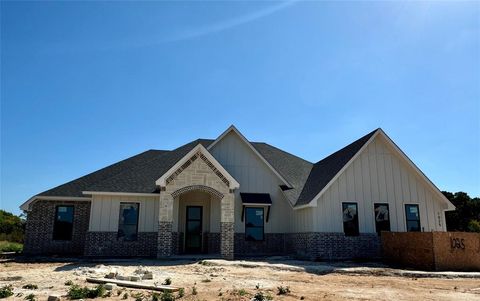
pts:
pixel 220 280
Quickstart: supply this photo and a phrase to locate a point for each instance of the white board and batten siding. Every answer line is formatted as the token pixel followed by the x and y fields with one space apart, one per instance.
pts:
pixel 254 176
pixel 378 175
pixel 105 211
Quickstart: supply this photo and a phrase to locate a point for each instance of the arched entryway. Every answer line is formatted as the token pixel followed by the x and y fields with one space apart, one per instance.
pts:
pixel 197 209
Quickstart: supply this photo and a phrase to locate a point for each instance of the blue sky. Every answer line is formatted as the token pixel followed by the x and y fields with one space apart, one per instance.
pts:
pixel 85 84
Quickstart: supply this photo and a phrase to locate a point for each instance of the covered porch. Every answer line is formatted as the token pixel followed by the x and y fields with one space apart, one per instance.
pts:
pixel 196 211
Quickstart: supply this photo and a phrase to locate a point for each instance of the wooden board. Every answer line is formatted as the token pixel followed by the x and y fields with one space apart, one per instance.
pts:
pixel 132 284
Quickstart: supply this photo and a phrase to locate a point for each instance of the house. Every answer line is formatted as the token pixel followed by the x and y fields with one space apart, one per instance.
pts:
pixel 233 197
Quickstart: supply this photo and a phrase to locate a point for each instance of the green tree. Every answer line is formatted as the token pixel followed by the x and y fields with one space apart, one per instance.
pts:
pixel 467 215
pixel 12 227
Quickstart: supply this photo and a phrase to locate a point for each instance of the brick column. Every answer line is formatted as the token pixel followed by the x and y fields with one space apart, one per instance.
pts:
pixel 227 226
pixel 165 225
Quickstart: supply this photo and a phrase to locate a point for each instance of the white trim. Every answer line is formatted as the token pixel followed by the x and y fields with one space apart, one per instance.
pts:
pixel 309 205
pixel 379 131
pixel 199 148
pixel 314 201
pixel 26 206
pixel 119 193
pixel 232 128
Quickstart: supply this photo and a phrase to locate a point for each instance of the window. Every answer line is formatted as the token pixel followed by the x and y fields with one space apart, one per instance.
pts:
pixel 350 219
pixel 382 217
pixel 63 225
pixel 128 221
pixel 412 216
pixel 254 223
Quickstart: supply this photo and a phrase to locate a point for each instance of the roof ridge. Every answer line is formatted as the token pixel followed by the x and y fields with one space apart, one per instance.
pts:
pixel 347 146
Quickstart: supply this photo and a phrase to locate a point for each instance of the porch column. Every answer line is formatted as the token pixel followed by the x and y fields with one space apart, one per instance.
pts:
pixel 227 225
pixel 165 224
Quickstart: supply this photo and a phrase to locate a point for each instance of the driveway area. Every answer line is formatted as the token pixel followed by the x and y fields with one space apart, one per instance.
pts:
pixel 241 280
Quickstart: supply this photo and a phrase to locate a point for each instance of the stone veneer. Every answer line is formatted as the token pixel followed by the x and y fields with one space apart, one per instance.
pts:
pixel 198 173
pixel 107 244
pixel 39 229
pixel 333 246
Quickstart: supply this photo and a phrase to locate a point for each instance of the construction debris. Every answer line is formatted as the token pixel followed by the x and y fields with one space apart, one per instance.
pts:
pixel 53 298
pixel 110 286
pixel 131 284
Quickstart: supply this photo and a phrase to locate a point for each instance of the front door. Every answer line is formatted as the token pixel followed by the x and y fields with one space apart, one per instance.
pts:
pixel 193 233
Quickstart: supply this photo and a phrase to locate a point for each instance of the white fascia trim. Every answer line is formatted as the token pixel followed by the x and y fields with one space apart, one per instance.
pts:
pixel 309 205
pixel 420 173
pixel 119 193
pixel 314 201
pixel 199 148
pixel 236 131
pixel 26 206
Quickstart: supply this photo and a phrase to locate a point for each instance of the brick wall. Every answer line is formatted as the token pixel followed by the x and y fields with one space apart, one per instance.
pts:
pixel 39 229
pixel 274 244
pixel 333 246
pixel 212 243
pixel 107 244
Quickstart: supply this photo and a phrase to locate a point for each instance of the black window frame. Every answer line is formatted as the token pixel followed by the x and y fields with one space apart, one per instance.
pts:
pixel 57 234
pixel 355 222
pixel 248 238
pixel 377 228
pixel 123 237
pixel 413 220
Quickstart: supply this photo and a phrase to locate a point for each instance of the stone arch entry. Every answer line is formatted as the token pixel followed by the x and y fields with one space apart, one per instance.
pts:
pixel 213 192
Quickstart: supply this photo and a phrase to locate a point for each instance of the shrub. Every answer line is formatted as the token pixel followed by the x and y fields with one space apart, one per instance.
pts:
pixel 194 291
pixel 167 296
pixel 155 296
pixel 6 291
pixel 69 282
pixel 30 286
pixel 125 296
pixel 138 296
pixel 474 226
pixel 77 292
pixel 30 297
pixel 283 290
pixel 242 292
pixel 181 292
pixel 6 246
pixel 261 297
pixel 167 281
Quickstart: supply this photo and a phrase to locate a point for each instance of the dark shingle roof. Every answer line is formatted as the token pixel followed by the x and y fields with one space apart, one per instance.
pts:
pixel 139 173
pixel 141 179
pixel 323 171
pixel 294 169
pixel 75 187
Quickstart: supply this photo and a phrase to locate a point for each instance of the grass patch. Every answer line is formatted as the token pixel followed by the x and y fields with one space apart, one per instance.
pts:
pixel 30 297
pixel 261 297
pixel 76 292
pixel 6 246
pixel 6 291
pixel 30 286
pixel 283 290
pixel 167 281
